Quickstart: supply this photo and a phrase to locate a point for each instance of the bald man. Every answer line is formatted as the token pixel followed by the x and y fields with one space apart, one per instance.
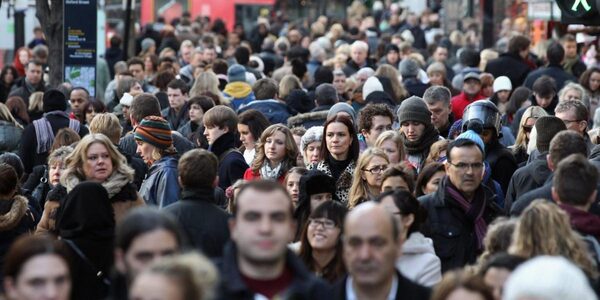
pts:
pixel 371 244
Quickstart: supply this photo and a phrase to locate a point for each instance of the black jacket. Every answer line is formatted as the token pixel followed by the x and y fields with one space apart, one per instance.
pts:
pixel 414 86
pixel 138 165
pixel 232 164
pixel 406 289
pixel 510 65
pixel 560 76
pixel 452 233
pixel 304 286
pixel 15 220
pixel 527 178
pixel 502 162
pixel 204 223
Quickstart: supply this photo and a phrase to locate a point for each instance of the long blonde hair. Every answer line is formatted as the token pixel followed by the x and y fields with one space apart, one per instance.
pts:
pixel 359 191
pixel 7 116
pixel 207 82
pixel 287 84
pixel 531 112
pixel 544 229
pixel 291 149
pixel 393 75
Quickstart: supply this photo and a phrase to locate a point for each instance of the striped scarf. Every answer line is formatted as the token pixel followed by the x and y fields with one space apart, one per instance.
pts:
pixel 473 210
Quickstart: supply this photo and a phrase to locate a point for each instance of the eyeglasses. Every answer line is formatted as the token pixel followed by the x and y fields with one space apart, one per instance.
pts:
pixel 465 166
pixel 527 129
pixel 326 223
pixel 376 169
pixel 567 122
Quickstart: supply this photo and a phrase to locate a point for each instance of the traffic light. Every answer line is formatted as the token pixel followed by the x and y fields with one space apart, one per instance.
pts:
pixel 584 12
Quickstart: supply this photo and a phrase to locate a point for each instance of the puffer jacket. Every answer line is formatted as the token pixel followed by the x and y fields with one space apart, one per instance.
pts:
pixel 161 187
pixel 240 94
pixel 10 137
pixel 419 262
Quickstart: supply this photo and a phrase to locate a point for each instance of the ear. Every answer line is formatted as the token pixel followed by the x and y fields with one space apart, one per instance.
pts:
pixel 583 126
pixel 549 162
pixel 226 129
pixel 179 181
pixel 120 261
pixel 555 195
pixel 407 221
pixel 593 196
pixel 364 132
pixel 447 166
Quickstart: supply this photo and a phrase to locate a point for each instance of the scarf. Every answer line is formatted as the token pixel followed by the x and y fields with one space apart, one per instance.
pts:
pixel 473 210
pixel 430 136
pixel 43 130
pixel 266 172
pixel 112 184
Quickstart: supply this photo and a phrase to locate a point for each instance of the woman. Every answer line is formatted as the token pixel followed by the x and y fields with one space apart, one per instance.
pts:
pixel 150 66
pixel 518 99
pixel 400 176
pixel 39 258
pixel 161 80
pixel 430 178
pixel 96 159
pixel 391 143
pixel 367 180
pixel 22 56
pixel 183 277
pixel 287 84
pixel 8 76
pixel 417 261
pixel 251 125
pixel 297 133
pixel 10 131
pixel 276 154
pixel 321 241
pixel 292 183
pixel 92 108
pixel 208 82
pixel 18 109
pixel 590 80
pixel 36 106
pixel 193 130
pixel 391 73
pixel 310 144
pixel 502 88
pixel 573 91
pixel 15 215
pixel 316 188
pixel 519 149
pixel 46 177
pixel 85 223
pixel 155 146
pixel 437 74
pixel 544 229
pixel 459 285
pixel 339 152
pixel 438 152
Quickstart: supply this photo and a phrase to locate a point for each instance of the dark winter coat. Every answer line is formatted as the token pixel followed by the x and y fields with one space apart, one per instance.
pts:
pixel 275 111
pixel 510 65
pixel 176 120
pixel 15 220
pixel 502 162
pixel 21 89
pixel 560 76
pixel 232 164
pixel 414 86
pixel 527 178
pixel 161 188
pixel 406 289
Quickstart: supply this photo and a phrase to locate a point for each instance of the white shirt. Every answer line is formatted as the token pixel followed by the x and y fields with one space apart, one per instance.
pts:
pixel 350 295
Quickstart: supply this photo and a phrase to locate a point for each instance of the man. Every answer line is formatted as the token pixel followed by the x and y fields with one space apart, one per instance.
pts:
pixel 372 121
pixel 238 88
pixel 371 247
pixel 177 112
pixel 339 82
pixel 512 64
pixel 574 188
pixel 461 209
pixel 257 264
pixel 410 69
pixel 220 125
pixel 144 236
pixel 209 54
pixel 555 55
pixel 185 52
pixel 38 136
pixel 544 96
pixel 265 90
pixel 186 73
pixel 359 52
pixel 197 212
pixel 135 65
pixel 242 57
pixel 441 55
pixel 326 97
pixel 437 99
pixel 471 92
pixel 417 130
pixel 534 174
pixel 32 82
pixel 572 63
pixel 147 105
pixel 78 98
pixel 575 115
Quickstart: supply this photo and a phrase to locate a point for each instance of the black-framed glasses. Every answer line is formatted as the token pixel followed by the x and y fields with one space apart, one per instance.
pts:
pixel 465 166
pixel 326 223
pixel 376 169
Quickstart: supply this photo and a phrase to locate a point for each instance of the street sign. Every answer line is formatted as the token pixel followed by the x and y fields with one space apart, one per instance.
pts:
pixel 80 29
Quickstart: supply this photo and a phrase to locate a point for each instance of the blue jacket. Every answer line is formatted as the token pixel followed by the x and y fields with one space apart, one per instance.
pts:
pixel 161 187
pixel 275 111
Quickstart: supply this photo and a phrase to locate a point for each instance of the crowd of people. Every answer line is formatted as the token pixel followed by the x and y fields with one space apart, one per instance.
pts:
pixel 376 157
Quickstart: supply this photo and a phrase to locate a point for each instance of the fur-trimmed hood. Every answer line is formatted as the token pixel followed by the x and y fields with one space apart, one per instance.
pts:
pixel 315 116
pixel 13 215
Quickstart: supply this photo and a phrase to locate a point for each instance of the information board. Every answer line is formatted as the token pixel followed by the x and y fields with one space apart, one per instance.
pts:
pixel 80 51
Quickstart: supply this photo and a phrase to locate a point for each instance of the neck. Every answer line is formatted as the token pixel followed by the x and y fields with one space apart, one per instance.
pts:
pixel 322 258
pixel 176 109
pixel 469 196
pixel 376 291
pixel 261 271
pixel 273 163
pixel 340 157
pixel 374 190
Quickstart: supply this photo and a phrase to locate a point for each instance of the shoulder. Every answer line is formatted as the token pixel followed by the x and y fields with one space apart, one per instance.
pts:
pixel 411 290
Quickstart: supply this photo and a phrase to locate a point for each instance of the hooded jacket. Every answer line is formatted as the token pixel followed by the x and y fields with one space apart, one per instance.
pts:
pixel 419 262
pixel 10 137
pixel 161 187
pixel 15 220
pixel 240 93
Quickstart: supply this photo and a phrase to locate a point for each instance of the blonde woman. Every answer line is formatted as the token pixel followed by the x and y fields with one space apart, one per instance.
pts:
pixel 367 180
pixel 393 75
pixel 391 143
pixel 276 154
pixel 287 84
pixel 36 105
pixel 530 115
pixel 544 229
pixel 208 82
pixel 10 131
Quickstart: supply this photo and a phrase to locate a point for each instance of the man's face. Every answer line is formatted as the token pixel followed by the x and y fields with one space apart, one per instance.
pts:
pixel 33 73
pixel 570 119
pixel 358 55
pixel 412 130
pixel 262 227
pixel 44 276
pixel 339 82
pixel 78 99
pixel 439 114
pixel 197 59
pixel 471 87
pixel 379 125
pixel 138 71
pixel 440 54
pixel 212 133
pixel 543 101
pixel 186 54
pixel 465 168
pixel 210 55
pixel 146 249
pixel 176 98
pixel 570 49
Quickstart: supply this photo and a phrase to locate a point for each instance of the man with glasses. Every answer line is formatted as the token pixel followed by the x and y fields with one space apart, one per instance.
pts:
pixel 575 115
pixel 461 209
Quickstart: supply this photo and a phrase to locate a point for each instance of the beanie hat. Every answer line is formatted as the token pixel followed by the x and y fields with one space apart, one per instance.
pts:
pixel 155 131
pixel 318 182
pixel 414 109
pixel 502 83
pixel 391 47
pixel 236 73
pixel 547 127
pixel 371 85
pixel 475 127
pixel 147 43
pixel 409 68
pixel 313 134
pixel 54 100
pixel 342 107
pixel 126 99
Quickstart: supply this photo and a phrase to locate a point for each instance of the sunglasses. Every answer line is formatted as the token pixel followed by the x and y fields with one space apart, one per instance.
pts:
pixel 527 128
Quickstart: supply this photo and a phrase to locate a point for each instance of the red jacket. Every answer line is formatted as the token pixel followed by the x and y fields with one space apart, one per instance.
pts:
pixel 460 101
pixel 250 175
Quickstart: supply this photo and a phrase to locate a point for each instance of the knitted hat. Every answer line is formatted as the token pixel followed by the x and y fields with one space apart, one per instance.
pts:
pixel 147 43
pixel 126 99
pixel 409 68
pixel 414 109
pixel 313 134
pixel 236 73
pixel 473 136
pixel 342 107
pixel 371 85
pixel 54 100
pixel 502 83
pixel 155 131
pixel 547 127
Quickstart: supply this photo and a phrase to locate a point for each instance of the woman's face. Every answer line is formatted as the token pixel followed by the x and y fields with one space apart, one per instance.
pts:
pixel 323 234
pixel 503 96
pixel 9 77
pixel 595 81
pixel 372 173
pixel 392 57
pixel 98 165
pixel 311 154
pixel 148 66
pixel 317 199
pixel 338 140
pixel 391 150
pixel 528 126
pixel 432 185
pixel 136 89
pixel 149 286
pixel 196 113
pixel 395 182
pixel 246 136
pixel 89 114
pixel 145 150
pixel 436 78
pixel 571 94
pixel 54 172
pixel 275 147
pixel 23 57
pixel 293 187
pixel 43 276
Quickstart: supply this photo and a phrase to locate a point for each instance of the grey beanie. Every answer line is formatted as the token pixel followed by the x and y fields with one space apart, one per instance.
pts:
pixel 342 107
pixel 414 109
pixel 236 73
pixel 147 43
pixel 409 68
